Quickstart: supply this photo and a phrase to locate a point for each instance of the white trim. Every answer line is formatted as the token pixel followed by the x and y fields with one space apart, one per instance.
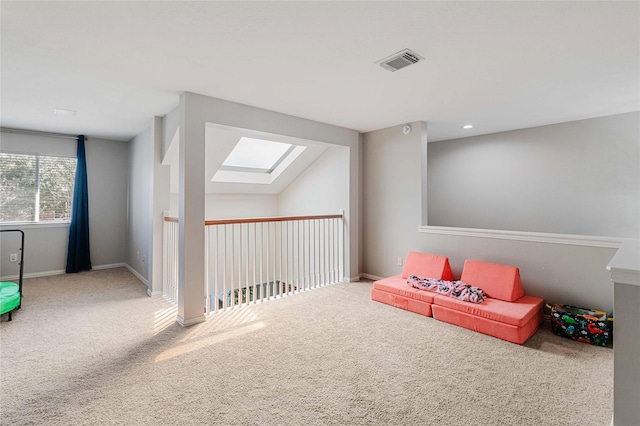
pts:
pixel 534 237
pixel 624 267
pixel 192 321
pixel 153 293
pixel 137 274
pixel 34 275
pixel 34 225
pixel 620 276
pixel 371 277
pixel 109 266
pixel 59 272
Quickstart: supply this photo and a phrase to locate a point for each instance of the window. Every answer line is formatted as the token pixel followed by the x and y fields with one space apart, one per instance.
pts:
pixel 36 188
pixel 257 161
pixel 256 154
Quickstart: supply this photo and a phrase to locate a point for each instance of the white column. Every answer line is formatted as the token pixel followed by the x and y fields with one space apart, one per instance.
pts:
pixel 422 128
pixel 159 204
pixel 352 222
pixel 625 274
pixel 191 214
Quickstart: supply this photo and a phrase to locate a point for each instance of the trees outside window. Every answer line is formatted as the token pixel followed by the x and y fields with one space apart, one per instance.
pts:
pixel 36 188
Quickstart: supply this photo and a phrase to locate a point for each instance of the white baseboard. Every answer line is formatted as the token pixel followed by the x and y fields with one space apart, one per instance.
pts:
pixel 110 265
pixel 58 272
pixel 352 279
pixel 153 293
pixel 192 321
pixel 34 275
pixel 137 275
pixel 371 277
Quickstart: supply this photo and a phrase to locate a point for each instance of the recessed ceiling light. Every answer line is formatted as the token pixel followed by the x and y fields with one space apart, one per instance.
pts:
pixel 62 111
pixel 468 126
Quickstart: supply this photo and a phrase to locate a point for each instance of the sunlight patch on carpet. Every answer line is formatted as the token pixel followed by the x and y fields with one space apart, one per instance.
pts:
pixel 222 321
pixel 208 341
pixel 164 318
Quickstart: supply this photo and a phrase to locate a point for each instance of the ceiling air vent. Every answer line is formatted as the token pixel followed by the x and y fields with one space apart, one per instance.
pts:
pixel 399 60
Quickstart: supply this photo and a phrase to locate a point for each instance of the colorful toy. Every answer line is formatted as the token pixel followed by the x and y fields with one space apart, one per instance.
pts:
pixel 583 325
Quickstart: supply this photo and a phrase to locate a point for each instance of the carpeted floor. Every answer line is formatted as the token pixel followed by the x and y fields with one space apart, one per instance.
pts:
pixel 92 348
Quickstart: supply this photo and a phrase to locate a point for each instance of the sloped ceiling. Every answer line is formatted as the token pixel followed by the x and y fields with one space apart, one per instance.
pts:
pixel 219 143
pixel 497 65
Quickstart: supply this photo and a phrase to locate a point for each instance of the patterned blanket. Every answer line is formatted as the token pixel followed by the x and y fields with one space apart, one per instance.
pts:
pixel 456 289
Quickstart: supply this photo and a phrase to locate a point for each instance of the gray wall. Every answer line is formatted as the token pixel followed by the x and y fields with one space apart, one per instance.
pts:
pixel 46 245
pixel 392 215
pixel 148 195
pixel 581 177
pixel 391 199
pixel 140 189
pixel 107 178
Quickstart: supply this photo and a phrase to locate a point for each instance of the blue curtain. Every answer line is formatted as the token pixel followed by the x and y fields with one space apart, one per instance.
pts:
pixel 78 256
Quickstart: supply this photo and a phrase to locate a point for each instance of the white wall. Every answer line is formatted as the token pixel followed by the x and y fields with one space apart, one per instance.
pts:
pixel 321 189
pixel 235 206
pixel 170 125
pixel 46 245
pixel 581 177
pixel 392 215
pixel 201 110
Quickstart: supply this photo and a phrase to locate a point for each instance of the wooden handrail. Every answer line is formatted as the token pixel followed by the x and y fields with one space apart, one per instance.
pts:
pixel 260 219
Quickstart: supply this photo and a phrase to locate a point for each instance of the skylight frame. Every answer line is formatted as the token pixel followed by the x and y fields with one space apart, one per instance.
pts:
pixel 258 175
pixel 259 155
pixel 259 169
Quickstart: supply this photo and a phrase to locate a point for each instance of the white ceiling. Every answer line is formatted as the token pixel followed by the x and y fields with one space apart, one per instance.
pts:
pixel 497 65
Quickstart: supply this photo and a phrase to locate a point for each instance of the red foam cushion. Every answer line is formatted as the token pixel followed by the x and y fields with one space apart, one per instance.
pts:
pixel 516 313
pixel 426 265
pixel 411 305
pixel 398 285
pixel 500 330
pixel 497 281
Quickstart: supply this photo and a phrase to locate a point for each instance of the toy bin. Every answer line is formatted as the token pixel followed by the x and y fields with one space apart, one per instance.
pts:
pixel 583 325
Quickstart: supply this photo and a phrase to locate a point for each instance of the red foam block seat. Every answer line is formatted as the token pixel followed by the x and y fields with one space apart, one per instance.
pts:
pixel 507 313
pixel 396 292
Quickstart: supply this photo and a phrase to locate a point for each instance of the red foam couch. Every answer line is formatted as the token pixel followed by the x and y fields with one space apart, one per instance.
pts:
pixel 396 292
pixel 506 313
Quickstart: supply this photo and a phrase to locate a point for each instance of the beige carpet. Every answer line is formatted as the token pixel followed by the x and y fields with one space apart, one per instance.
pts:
pixel 92 348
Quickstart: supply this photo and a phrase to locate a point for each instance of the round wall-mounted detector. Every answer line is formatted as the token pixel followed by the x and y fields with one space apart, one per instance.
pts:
pixel 406 129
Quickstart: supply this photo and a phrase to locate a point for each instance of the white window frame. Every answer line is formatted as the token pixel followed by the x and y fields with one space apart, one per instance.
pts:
pixel 37 223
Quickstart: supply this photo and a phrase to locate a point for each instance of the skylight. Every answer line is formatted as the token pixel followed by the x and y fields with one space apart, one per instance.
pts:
pixel 257 161
pixel 257 154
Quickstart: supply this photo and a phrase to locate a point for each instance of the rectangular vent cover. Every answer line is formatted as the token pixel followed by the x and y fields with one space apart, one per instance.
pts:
pixel 400 60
